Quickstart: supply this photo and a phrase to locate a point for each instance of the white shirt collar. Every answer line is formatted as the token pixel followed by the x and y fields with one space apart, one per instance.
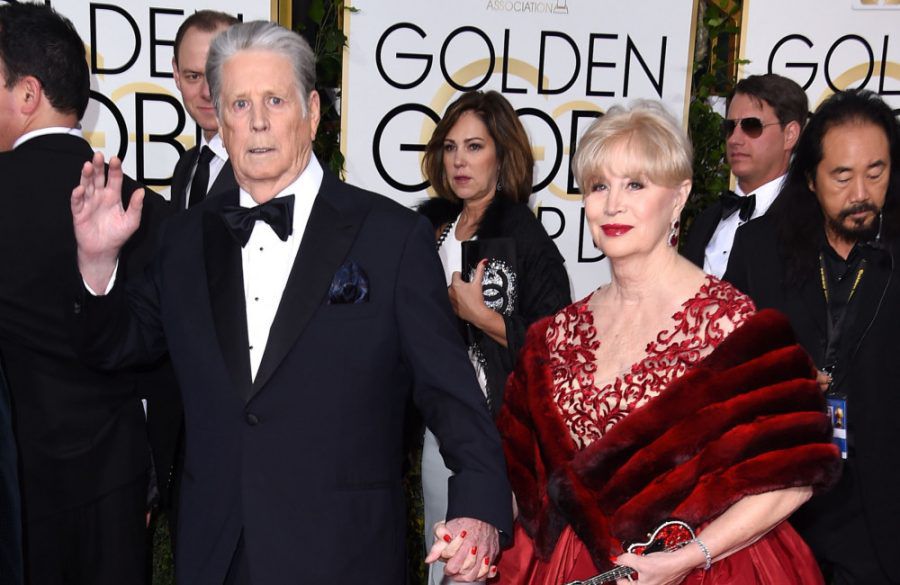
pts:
pixel 304 188
pixel 765 194
pixel 215 144
pixel 45 131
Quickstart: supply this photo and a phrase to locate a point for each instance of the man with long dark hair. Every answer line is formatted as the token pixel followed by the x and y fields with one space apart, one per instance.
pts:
pixel 826 258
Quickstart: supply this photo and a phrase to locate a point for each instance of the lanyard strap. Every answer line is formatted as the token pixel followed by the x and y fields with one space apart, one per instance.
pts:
pixel 834 327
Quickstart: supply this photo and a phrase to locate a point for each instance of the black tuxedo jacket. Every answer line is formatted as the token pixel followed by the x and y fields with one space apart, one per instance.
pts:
pixel 181 179
pixel 10 508
pixel 869 368
pixel 306 459
pixel 80 432
pixel 701 233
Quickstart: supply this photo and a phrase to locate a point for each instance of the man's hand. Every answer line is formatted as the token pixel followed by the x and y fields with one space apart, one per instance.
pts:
pixel 102 225
pixel 469 548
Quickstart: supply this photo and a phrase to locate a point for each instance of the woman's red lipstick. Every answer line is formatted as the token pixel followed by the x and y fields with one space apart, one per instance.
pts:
pixel 615 229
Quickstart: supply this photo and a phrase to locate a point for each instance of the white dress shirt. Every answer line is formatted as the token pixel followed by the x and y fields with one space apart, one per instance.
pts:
pixel 267 261
pixel 715 261
pixel 216 164
pixel 44 131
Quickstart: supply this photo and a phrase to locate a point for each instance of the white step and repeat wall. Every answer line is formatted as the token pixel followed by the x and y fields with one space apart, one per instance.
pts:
pixel 825 46
pixel 559 62
pixel 135 110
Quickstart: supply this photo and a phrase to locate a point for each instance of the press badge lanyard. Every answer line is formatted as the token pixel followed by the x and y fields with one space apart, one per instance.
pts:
pixel 835 328
pixel 835 397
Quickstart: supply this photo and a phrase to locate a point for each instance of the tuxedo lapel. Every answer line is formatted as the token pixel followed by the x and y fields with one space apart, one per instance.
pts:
pixel 224 273
pixel 224 181
pixel 330 231
pixel 177 192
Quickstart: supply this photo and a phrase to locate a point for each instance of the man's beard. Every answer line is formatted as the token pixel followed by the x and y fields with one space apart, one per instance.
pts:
pixel 855 231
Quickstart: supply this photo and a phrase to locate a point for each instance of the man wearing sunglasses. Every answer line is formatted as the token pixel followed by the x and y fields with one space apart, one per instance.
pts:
pixel 764 119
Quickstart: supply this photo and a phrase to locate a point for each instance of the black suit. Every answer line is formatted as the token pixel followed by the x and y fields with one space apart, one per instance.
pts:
pixel 10 509
pixel 165 413
pixel 306 460
pixel 868 370
pixel 181 179
pixel 80 433
pixel 701 232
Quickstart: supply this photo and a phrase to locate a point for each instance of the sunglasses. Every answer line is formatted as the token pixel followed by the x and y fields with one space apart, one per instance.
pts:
pixel 752 127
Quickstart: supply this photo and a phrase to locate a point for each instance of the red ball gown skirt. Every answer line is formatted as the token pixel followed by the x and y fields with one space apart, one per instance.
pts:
pixel 779 558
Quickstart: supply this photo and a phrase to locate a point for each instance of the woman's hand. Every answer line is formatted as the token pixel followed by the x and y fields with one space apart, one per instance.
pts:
pixel 663 568
pixel 467 298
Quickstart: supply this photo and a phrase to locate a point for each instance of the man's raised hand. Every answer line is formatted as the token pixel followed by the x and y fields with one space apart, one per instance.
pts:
pixel 102 224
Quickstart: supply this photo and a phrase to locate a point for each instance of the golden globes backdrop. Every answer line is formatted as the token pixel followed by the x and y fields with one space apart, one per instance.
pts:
pixel 559 62
pixel 135 110
pixel 825 46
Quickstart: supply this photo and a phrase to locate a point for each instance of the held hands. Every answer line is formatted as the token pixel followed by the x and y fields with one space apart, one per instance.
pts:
pixel 467 298
pixel 102 225
pixel 468 546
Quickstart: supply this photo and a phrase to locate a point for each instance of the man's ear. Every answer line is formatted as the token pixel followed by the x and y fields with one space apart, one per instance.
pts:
pixel 30 93
pixel 791 134
pixel 313 112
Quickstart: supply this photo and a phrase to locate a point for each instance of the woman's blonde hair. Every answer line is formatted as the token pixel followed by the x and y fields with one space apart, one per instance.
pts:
pixel 643 139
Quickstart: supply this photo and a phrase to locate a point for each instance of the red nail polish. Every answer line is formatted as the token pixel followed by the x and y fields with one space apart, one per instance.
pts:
pixel 474 550
pixel 614 559
pixel 487 561
pixel 463 534
pixel 447 538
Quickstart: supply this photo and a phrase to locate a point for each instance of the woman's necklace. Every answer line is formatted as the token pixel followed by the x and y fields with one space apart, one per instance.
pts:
pixel 445 232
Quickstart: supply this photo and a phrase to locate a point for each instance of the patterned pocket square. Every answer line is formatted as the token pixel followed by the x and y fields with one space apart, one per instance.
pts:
pixel 350 285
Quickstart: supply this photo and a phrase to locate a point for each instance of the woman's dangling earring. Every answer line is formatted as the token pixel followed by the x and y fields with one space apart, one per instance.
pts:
pixel 673 234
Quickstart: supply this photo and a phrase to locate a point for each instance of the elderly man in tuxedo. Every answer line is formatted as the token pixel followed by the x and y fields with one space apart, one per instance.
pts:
pixel 301 314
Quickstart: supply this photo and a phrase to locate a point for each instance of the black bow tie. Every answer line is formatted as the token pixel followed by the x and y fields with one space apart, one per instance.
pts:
pixel 278 213
pixel 732 202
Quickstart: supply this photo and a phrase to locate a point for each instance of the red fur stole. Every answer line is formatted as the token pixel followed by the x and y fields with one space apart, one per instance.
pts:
pixel 748 419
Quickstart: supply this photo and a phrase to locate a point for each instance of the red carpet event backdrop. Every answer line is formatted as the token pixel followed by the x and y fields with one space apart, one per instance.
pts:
pixel 559 62
pixel 135 112
pixel 825 46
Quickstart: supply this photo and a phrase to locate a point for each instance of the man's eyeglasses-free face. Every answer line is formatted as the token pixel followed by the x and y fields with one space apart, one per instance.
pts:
pixel 752 127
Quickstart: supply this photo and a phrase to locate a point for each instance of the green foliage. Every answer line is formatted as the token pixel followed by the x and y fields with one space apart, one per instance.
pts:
pixel 325 18
pixel 714 72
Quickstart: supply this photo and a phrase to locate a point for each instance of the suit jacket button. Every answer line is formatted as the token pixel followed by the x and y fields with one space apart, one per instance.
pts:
pixel 252 419
pixel 76 308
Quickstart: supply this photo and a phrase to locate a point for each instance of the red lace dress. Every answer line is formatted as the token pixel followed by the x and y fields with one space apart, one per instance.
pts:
pixel 592 407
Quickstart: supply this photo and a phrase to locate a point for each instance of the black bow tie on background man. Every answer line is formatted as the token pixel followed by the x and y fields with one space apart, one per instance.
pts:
pixel 278 213
pixel 732 202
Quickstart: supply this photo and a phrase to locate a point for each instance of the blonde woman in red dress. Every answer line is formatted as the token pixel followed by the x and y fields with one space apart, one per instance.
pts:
pixel 661 396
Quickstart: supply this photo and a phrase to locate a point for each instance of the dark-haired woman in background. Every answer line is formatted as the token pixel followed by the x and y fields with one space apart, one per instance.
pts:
pixel 479 163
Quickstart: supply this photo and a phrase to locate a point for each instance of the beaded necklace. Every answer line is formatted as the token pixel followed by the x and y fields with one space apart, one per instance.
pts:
pixel 445 232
